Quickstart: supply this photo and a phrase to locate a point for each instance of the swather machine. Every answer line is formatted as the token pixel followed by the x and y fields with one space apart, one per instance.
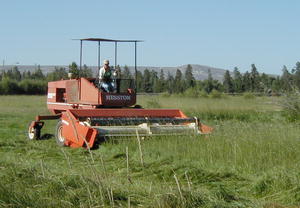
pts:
pixel 86 113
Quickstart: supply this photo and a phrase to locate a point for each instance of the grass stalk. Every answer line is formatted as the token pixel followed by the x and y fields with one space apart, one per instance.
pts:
pixel 140 148
pixel 178 187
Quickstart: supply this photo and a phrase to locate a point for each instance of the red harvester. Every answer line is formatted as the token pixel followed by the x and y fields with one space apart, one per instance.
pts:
pixel 86 113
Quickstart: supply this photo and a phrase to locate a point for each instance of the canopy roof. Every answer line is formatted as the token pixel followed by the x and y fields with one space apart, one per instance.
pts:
pixel 106 40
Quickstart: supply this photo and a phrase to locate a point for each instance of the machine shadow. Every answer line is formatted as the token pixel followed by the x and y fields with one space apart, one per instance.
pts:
pixel 101 140
pixel 98 142
pixel 46 136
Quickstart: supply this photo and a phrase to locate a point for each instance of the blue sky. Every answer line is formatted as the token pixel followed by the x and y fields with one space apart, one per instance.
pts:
pixel 218 33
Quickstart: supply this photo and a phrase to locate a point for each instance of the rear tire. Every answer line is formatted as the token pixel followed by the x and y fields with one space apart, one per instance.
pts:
pixel 60 140
pixel 33 133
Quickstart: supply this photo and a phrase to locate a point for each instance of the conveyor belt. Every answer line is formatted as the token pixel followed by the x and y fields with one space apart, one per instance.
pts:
pixel 120 121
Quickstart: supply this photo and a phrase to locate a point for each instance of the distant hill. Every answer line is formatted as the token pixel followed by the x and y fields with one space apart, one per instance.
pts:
pixel 200 72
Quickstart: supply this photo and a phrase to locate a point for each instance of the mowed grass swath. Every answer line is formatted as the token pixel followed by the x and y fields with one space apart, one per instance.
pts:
pixel 251 160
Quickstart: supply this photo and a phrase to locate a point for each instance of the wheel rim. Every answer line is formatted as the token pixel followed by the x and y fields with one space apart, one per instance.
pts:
pixel 59 135
pixel 31 133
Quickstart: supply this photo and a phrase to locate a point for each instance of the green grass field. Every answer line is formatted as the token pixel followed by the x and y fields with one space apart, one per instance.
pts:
pixel 251 160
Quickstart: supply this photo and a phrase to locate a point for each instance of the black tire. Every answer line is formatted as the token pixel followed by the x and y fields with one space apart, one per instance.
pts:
pixel 60 140
pixel 33 133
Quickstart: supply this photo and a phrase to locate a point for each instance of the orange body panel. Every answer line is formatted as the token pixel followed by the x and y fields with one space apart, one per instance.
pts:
pixel 82 94
pixel 75 133
pixel 88 92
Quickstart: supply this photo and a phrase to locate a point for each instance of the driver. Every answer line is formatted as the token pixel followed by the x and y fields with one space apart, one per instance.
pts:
pixel 105 77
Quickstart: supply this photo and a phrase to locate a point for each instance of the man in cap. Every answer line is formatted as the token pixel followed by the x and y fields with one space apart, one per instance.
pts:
pixel 105 77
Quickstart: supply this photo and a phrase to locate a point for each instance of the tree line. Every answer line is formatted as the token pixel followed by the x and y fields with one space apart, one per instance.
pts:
pixel 235 82
pixel 12 81
pixel 149 81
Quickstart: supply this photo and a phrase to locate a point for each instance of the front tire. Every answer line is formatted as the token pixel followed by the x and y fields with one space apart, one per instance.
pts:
pixel 33 133
pixel 60 140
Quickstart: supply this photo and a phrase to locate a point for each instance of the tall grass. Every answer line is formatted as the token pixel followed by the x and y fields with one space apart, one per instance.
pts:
pixel 251 160
pixel 291 106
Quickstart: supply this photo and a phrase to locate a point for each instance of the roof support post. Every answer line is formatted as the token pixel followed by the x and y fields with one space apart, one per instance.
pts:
pixel 80 55
pixel 135 68
pixel 98 57
pixel 116 50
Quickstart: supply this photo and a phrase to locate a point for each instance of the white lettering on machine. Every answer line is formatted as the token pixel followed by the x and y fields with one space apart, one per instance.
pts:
pixel 117 97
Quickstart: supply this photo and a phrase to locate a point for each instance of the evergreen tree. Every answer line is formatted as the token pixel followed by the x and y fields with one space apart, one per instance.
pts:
pixel 26 75
pixel 23 75
pixel 154 81
pixel 189 77
pixel 140 82
pixel 208 84
pixel 147 85
pixel 276 85
pixel 237 81
pixel 296 75
pixel 126 73
pixel 161 82
pixel 73 68
pixel 16 74
pixel 286 79
pixel 254 77
pixel 178 82
pixel 228 83
pixel 57 74
pixel 170 83
pixel 86 72
pixel 265 83
pixel 247 81
pixel 217 85
pixel 8 74
pixel 38 74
